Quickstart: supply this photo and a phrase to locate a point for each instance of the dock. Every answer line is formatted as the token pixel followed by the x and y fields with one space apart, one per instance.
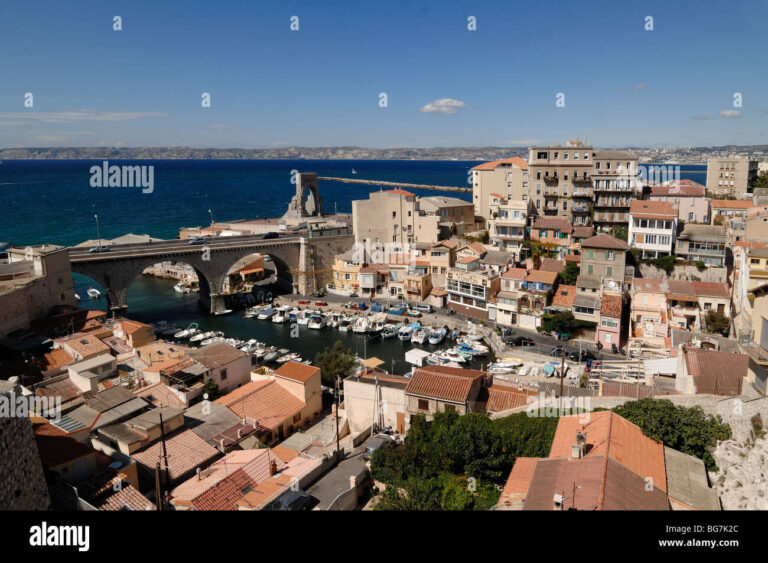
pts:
pixel 397 184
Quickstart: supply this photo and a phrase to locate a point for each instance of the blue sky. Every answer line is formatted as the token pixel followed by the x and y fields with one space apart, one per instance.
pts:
pixel 319 86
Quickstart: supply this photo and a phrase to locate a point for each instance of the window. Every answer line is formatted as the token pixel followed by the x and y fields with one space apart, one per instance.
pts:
pixel 589 268
pixel 591 253
pixel 449 408
pixel 609 270
pixel 691 216
pixel 223 374
pixel 610 255
pixel 423 405
pixel 297 417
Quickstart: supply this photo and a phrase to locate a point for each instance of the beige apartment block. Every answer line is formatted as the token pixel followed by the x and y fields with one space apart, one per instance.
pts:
pixel 730 176
pixel 614 181
pixel 504 179
pixel 507 226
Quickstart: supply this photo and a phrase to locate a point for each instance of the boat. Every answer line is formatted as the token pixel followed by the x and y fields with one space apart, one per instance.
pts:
pixel 251 346
pixel 405 332
pixel 254 311
pixel 496 369
pixel 525 370
pixel 281 315
pixel 77 297
pixel 474 348
pixel 374 335
pixel 269 354
pixel 390 331
pixel 267 313
pixel 317 321
pixel 334 319
pixel 200 336
pixel 420 335
pixel 509 362
pixel 436 336
pixel 347 324
pixel 451 355
pixel 302 317
pixel 188 332
pixel 534 371
pixel 223 312
pixel 286 356
pixel 463 353
pixel 180 288
pixel 213 340
pixel 94 293
pixel 455 333
pixel 234 342
pixel 354 171
pixel 361 325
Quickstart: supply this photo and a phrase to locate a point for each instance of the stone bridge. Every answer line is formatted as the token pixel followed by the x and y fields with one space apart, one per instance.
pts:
pixel 303 263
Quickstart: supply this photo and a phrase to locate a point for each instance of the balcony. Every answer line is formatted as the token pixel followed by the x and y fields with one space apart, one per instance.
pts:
pixel 582 194
pixel 607 202
pixel 611 217
pixel 551 179
pixel 581 208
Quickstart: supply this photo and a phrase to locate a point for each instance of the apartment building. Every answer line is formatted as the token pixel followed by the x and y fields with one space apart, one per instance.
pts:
pixel 648 314
pixel 652 227
pixel 560 182
pixel 609 329
pixel 553 231
pixel 614 182
pixel 725 209
pixel 453 214
pixel 500 179
pixel 604 258
pixel 703 243
pixel 470 287
pixel 507 226
pixel 687 196
pixel 511 284
pixel 442 257
pixel 346 270
pixel 731 176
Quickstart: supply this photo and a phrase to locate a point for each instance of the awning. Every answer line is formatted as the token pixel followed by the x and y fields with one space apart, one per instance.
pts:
pixel 373 362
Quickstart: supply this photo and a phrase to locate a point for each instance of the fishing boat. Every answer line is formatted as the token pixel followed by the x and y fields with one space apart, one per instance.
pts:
pixel 390 331
pixel 420 335
pixel 281 315
pixel 436 336
pixel 250 347
pixel 212 340
pixel 473 348
pixel 455 333
pixel 267 313
pixel 273 356
pixel 405 332
pixel 361 325
pixel 188 332
pixel 317 321
pixel 94 293
pixel 254 311
pixel 180 288
pixel 334 320
pixel 377 322
pixel 347 324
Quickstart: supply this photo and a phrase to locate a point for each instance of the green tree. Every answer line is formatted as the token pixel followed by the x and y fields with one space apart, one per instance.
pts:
pixel 570 273
pixel 688 430
pixel 335 361
pixel 762 180
pixel 211 389
pixel 717 323
pixel 620 232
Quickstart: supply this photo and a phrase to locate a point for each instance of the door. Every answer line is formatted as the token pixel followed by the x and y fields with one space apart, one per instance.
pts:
pixel 401 423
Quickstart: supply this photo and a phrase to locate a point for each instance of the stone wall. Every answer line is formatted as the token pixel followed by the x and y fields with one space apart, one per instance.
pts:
pixel 22 481
pixel 689 273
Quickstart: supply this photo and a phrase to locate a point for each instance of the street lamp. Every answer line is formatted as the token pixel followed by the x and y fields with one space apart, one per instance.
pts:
pixel 211 214
pixel 98 233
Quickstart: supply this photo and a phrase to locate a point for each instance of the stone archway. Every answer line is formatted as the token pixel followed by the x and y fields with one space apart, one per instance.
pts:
pixel 307 201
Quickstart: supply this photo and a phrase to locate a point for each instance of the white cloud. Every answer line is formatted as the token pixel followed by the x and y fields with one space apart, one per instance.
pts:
pixel 443 105
pixel 78 115
pixel 730 113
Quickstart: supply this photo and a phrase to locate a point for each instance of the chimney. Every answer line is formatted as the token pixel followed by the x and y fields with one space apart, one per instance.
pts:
pixel 272 467
pixel 197 471
pixel 577 449
pixel 557 502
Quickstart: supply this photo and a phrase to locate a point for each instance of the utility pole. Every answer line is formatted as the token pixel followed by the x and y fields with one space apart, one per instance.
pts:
pixel 211 214
pixel 562 377
pixel 338 404
pixel 98 232
pixel 165 452
pixel 158 494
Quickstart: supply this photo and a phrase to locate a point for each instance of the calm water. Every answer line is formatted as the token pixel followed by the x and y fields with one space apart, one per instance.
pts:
pixel 53 202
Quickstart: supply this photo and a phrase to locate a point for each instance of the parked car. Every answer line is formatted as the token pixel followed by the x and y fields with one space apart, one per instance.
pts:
pixel 521 341
pixel 270 235
pixel 197 240
pixel 585 355
pixel 424 308
pixel 100 248
pixel 378 441
pixel 557 351
pixel 292 500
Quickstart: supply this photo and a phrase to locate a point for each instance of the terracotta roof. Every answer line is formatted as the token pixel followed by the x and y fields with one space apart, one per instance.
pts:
pixel 683 189
pixel 216 355
pixel 477 247
pixel 64 388
pixel 711 289
pixel 552 265
pixel 539 276
pixel 731 204
pixel 515 273
pixel 186 451
pixel 573 258
pixel 611 305
pixel 565 296
pixel 266 402
pixel 85 344
pixel 112 491
pixel 492 165
pixel 583 232
pixel 56 447
pixel 398 191
pixel 443 383
pixel 644 208
pixel 604 241
pixel 296 371
pixel 555 223
pixel 438 291
pixel 650 285
pixel 609 434
pixel 448 243
pixel 516 487
pixel 468 259
pixel 716 373
pixel 161 395
pixel 54 359
pixel 374 268
pixel 503 397
pixel 130 327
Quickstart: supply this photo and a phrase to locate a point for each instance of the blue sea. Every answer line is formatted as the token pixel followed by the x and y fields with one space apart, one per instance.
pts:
pixel 52 202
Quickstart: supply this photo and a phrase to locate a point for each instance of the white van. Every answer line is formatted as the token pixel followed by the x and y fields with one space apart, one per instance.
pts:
pixel 423 308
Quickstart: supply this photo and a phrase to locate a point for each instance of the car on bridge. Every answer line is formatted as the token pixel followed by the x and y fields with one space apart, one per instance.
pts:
pixel 197 240
pixel 271 235
pixel 99 248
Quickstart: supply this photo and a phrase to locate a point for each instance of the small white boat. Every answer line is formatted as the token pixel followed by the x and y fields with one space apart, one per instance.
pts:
pixel 281 315
pixel 334 320
pixel 390 331
pixel 77 297
pixel 302 318
pixel 451 355
pixel 499 370
pixel 250 347
pixel 354 171
pixel 317 322
pixel 534 371
pixel 214 340
pixel 420 335
pixel 253 312
pixel 525 370
pixel 347 324
pixel 94 293
pixel 223 312
pixel 188 332
pixel 203 336
pixel 405 333
pixel 271 353
pixel 290 357
pixel 181 288
pixel 436 336
pixel 361 325
pixel 267 313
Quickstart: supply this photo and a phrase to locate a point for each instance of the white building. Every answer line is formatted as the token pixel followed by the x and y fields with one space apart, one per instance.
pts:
pixel 652 227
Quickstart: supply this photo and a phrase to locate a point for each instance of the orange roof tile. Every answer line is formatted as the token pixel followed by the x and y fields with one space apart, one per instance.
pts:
pixel 516 487
pixel 514 160
pixel 265 402
pixel 443 383
pixel 565 296
pixel 296 371
pixel 611 305
pixel 731 204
